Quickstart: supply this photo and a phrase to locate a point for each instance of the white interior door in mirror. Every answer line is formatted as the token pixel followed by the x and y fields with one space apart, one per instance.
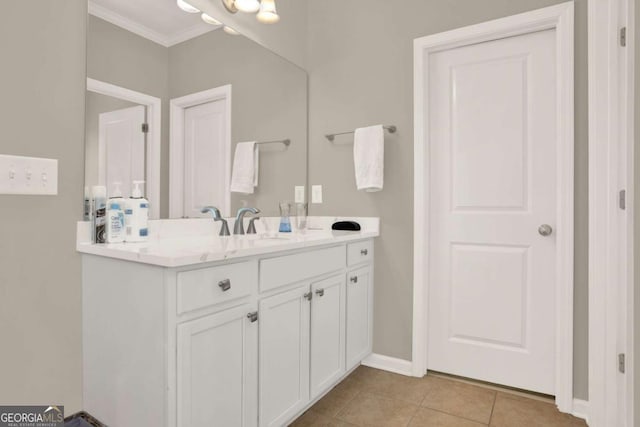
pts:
pixel 493 142
pixel 121 148
pixel 205 152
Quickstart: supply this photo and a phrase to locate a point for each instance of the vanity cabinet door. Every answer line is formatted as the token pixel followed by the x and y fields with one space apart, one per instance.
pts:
pixel 359 315
pixel 284 356
pixel 217 370
pixel 327 333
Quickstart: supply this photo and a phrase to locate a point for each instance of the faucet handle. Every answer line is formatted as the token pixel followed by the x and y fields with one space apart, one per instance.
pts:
pixel 252 227
pixel 224 229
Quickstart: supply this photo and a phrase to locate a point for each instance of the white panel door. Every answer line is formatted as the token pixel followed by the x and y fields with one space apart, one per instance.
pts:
pixel 217 370
pixel 493 183
pixel 359 315
pixel 327 333
pixel 121 148
pixel 284 356
pixel 205 157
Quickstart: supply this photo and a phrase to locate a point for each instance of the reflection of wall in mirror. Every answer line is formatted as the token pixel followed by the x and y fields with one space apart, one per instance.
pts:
pixel 269 96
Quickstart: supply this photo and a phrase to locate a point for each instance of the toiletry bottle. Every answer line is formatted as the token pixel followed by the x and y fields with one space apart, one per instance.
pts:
pixel 115 223
pixel 99 211
pixel 116 196
pixel 87 204
pixel 136 216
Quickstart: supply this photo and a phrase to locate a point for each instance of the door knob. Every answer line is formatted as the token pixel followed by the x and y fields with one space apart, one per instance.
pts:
pixel 545 230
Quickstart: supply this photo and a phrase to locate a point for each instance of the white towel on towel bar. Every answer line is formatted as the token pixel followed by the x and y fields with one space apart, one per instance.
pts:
pixel 368 156
pixel 245 168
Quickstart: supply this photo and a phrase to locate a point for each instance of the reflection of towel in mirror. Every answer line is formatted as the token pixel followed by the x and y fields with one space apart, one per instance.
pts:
pixel 245 168
pixel 368 156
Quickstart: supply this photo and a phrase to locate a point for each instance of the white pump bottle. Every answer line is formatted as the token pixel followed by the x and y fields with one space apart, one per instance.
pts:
pixel 136 216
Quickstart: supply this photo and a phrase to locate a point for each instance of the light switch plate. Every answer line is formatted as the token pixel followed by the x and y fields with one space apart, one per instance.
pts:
pixel 28 175
pixel 299 193
pixel 316 194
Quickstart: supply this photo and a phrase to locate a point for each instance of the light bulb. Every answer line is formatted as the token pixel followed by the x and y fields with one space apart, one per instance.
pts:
pixel 249 6
pixel 187 7
pixel 230 31
pixel 268 14
pixel 209 20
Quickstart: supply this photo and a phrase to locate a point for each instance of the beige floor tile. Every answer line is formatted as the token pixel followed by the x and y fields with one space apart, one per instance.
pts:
pixel 364 374
pixel 373 410
pixel 463 400
pixel 515 411
pixel 401 387
pixel 429 418
pixel 334 401
pixel 315 419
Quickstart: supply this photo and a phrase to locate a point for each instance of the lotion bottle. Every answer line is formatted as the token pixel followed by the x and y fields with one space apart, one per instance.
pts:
pixel 115 223
pixel 136 216
pixel 116 196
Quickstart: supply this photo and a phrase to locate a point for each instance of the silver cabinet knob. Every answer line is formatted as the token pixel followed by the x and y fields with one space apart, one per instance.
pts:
pixel 545 230
pixel 225 285
pixel 364 252
pixel 320 292
pixel 354 279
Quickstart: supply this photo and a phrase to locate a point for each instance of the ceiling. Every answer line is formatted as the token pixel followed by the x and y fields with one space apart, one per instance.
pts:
pixel 161 21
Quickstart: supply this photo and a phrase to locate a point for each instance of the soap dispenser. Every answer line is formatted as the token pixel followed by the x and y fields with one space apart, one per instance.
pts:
pixel 136 215
pixel 116 196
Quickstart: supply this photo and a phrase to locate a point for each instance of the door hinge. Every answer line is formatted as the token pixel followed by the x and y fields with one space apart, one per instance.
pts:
pixel 621 363
pixel 145 128
pixel 623 36
pixel 622 199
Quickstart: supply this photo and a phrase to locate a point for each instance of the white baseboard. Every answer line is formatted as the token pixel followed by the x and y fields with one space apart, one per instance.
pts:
pixel 391 364
pixel 580 409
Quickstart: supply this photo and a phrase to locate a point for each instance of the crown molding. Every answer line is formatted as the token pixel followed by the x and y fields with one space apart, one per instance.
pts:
pixel 144 31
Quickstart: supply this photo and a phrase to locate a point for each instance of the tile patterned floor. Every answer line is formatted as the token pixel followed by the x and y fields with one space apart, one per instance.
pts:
pixel 370 397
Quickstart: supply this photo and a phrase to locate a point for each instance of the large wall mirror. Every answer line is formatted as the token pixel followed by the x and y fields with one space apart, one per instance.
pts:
pixel 169 109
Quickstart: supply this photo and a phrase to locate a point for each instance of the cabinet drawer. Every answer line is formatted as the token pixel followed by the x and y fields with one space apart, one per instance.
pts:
pixel 215 285
pixel 276 272
pixel 359 252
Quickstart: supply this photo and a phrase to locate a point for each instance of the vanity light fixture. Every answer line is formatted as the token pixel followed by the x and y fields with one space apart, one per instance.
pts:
pixel 266 9
pixel 230 30
pixel 182 4
pixel 268 14
pixel 248 6
pixel 209 20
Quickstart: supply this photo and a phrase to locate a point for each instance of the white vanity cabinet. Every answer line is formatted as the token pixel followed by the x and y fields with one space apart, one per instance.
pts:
pixel 248 342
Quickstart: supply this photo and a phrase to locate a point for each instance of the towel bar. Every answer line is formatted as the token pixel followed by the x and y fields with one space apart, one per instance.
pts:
pixel 332 136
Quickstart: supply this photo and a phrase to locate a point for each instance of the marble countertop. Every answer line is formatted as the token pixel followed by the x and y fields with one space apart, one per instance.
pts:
pixel 182 242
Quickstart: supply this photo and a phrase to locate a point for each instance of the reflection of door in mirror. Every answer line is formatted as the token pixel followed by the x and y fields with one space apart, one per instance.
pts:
pixel 200 153
pixel 121 148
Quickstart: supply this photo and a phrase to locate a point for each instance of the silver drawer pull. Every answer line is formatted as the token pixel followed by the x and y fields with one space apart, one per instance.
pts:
pixel 354 279
pixel 225 285
pixel 320 292
pixel 253 316
pixel 364 252
pixel 308 296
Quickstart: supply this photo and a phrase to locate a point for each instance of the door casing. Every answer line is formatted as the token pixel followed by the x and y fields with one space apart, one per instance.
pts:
pixel 559 17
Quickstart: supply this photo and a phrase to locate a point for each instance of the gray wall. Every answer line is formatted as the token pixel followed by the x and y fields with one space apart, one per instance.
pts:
pixel 269 102
pixel 96 104
pixel 125 59
pixel 43 83
pixel 361 72
pixel 636 243
pixel 287 38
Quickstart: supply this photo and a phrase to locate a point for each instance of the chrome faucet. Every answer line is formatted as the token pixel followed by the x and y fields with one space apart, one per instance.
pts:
pixel 251 229
pixel 224 230
pixel 238 227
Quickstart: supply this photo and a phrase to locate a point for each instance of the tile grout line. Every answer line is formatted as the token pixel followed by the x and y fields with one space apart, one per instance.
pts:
pixel 493 407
